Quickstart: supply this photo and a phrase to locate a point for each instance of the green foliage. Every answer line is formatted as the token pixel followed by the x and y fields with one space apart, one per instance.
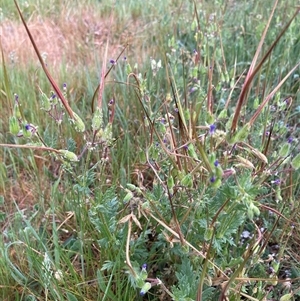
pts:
pixel 175 177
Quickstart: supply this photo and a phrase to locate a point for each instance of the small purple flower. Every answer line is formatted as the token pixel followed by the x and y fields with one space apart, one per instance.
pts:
pixel 124 58
pixel 53 96
pixel 113 62
pixel 176 110
pixel 290 140
pixel 193 89
pixel 276 182
pixel 212 179
pixel 186 147
pixel 111 102
pixel 144 267
pixel 163 120
pixel 27 127
pixel 212 129
pixel 216 163
pixel 16 97
pixel 64 86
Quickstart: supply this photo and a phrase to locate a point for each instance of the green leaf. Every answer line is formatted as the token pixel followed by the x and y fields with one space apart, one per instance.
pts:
pixel 71 297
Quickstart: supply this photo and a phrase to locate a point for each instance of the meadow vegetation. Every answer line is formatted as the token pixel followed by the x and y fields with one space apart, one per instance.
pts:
pixel 149 150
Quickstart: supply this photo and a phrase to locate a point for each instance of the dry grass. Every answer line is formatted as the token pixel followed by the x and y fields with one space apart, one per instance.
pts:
pixel 72 38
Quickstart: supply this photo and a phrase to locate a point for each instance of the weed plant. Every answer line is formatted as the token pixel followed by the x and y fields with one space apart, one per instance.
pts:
pixel 173 174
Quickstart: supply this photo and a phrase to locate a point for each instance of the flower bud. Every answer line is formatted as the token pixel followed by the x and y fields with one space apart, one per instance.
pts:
pixel 68 155
pixel 170 182
pixel 46 103
pixel 187 181
pixel 285 149
pixel 97 121
pixel 78 123
pixel 131 187
pixel 14 127
pixel 128 69
pixel 191 151
pixel 17 111
pixel 216 183
pixel 219 172
pixel 223 114
pixel 250 213
pixel 242 134
pixel 27 133
pixel 146 287
pixel 128 197
pixel 107 133
pixel 296 162
pixel 144 273
pixel 208 233
pixel 286 297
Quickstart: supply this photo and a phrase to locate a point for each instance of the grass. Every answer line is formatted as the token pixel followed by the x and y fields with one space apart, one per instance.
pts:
pixel 157 158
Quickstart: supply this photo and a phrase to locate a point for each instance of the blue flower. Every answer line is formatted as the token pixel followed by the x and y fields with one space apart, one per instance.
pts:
pixel 216 163
pixel 193 89
pixel 276 182
pixel 212 179
pixel 212 129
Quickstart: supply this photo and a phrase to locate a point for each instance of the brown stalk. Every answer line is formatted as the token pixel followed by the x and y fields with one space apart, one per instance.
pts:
pixel 50 78
pixel 250 74
pixel 41 148
pixel 261 106
pixel 254 70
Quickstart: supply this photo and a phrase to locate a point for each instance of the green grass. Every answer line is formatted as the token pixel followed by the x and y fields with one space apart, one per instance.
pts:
pixel 188 161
